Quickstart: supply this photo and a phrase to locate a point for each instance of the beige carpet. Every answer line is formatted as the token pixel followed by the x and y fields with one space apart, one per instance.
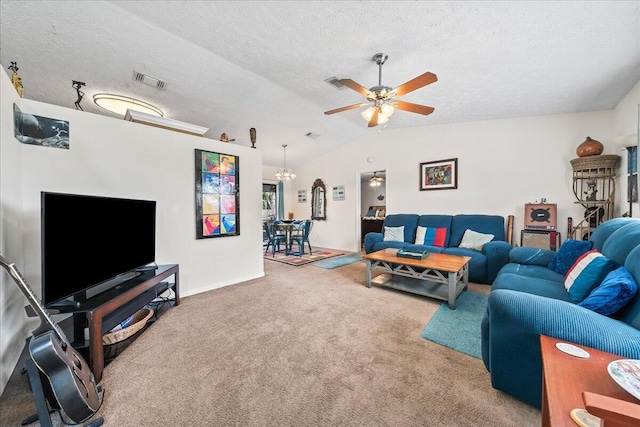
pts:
pixel 299 347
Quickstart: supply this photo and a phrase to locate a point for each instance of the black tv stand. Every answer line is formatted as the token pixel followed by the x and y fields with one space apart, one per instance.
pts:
pixel 146 268
pixel 102 312
pixel 65 305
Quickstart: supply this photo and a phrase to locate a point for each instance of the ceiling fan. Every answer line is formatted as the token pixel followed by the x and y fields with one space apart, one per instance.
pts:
pixel 381 98
pixel 376 180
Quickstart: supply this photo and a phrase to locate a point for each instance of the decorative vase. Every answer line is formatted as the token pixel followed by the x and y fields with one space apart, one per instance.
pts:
pixel 252 134
pixel 590 147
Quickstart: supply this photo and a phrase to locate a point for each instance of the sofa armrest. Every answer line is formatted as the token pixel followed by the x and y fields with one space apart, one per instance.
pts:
pixel 511 338
pixel 371 239
pixel 531 256
pixel 497 253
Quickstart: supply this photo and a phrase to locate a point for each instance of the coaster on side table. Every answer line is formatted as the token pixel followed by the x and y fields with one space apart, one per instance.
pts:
pixel 572 350
pixel 584 419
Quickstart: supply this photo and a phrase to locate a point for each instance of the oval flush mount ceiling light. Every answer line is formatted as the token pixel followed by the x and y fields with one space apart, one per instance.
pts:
pixel 120 104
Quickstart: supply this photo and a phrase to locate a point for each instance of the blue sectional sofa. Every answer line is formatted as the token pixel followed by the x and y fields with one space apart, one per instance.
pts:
pixel 484 264
pixel 528 299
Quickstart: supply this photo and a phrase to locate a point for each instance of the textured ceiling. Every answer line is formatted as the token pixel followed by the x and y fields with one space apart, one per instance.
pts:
pixel 230 66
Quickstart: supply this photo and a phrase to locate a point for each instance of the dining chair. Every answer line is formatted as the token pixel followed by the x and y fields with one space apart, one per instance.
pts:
pixel 302 237
pixel 273 239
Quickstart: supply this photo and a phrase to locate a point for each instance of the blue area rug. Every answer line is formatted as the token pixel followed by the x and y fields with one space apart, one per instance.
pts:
pixel 339 261
pixel 459 329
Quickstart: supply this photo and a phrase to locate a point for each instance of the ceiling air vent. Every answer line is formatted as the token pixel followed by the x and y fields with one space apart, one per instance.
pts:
pixel 148 80
pixel 312 135
pixel 334 81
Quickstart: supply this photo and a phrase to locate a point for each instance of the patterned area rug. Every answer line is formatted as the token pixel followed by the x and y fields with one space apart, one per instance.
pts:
pixel 306 258
pixel 459 329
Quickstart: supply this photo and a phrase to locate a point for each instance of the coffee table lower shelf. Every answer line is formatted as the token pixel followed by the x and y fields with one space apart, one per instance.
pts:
pixel 419 286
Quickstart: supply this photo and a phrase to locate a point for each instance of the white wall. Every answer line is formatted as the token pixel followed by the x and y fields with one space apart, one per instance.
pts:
pixel 625 130
pixel 116 158
pixel 12 318
pixel 503 164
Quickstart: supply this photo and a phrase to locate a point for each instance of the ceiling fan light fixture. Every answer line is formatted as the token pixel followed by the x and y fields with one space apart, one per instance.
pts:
pixel 387 110
pixel 368 113
pixel 376 180
pixel 120 104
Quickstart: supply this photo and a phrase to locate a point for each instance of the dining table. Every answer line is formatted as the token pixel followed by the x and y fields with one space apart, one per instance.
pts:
pixel 287 227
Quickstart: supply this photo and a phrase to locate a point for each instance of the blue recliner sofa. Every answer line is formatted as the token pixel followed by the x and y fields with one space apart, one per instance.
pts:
pixel 484 264
pixel 528 299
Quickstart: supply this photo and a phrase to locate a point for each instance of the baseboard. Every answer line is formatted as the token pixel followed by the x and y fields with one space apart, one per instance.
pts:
pixel 12 357
pixel 220 285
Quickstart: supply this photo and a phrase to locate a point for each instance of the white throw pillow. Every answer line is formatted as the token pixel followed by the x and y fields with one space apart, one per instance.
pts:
pixel 420 235
pixel 474 240
pixel 394 234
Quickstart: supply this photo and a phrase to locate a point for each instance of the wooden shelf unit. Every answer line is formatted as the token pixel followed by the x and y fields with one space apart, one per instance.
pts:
pixel 594 187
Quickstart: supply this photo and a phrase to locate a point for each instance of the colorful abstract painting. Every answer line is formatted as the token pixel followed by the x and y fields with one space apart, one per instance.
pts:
pixel 217 195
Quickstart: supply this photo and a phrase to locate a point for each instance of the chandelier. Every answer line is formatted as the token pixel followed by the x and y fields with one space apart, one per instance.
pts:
pixel 284 173
pixel 376 180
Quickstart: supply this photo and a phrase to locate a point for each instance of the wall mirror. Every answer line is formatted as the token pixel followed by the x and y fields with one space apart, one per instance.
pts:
pixel 318 200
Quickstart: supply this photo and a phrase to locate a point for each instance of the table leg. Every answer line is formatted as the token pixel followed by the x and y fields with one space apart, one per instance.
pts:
pixel 452 290
pixel 465 277
pixel 368 273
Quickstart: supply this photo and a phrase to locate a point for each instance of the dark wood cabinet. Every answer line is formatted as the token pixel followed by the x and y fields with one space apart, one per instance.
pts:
pixel 370 225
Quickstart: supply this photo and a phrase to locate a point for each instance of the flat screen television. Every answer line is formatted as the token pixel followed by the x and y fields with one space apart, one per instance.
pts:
pixel 88 241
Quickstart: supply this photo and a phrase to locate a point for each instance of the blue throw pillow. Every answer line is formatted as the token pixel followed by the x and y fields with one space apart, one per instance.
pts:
pixel 587 273
pixel 568 254
pixel 615 291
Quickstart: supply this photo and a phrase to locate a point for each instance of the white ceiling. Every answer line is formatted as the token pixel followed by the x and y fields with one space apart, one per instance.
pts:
pixel 230 66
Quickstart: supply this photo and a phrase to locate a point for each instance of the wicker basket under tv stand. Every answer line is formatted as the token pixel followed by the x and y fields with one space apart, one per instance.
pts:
pixel 101 313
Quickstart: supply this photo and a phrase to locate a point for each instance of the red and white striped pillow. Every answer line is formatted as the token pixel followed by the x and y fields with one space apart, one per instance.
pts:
pixel 587 273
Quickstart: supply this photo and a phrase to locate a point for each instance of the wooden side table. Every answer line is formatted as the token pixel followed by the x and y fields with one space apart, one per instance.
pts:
pixel 566 377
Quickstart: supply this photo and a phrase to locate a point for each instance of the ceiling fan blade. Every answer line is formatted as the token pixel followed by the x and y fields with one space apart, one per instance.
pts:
pixel 417 83
pixel 356 86
pixel 374 119
pixel 349 107
pixel 414 108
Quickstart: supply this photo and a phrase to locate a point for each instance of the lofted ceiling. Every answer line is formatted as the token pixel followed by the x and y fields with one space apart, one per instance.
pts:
pixel 231 66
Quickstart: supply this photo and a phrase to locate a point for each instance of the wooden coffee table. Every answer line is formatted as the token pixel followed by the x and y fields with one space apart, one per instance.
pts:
pixel 440 276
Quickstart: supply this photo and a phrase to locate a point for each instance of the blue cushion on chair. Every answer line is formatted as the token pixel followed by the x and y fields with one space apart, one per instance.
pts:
pixel 568 254
pixel 615 291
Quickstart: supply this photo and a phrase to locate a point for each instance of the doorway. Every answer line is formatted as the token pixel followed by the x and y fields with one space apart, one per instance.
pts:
pixel 373 203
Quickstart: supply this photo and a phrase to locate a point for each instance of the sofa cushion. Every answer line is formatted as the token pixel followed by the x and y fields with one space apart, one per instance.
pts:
pixel 477 265
pixel 420 248
pixel 621 242
pixel 630 313
pixel 615 291
pixel 431 236
pixel 393 234
pixel 568 254
pixel 437 221
pixel 541 287
pixel 408 221
pixel 533 272
pixel 531 256
pixel 474 240
pixel 603 231
pixel 378 246
pixel 587 273
pixel 487 224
